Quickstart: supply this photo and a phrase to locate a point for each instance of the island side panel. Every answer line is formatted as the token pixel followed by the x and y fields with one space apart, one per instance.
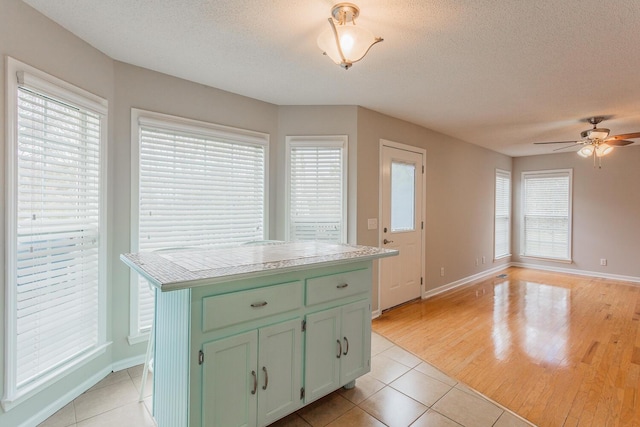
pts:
pixel 172 358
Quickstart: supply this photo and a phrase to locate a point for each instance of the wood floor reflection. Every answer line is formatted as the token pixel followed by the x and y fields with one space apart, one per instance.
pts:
pixel 559 350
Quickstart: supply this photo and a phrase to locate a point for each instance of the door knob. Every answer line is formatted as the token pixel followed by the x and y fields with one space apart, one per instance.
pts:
pixel 385 241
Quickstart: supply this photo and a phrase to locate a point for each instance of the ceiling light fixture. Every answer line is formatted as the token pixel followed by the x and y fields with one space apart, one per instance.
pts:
pixel 595 148
pixel 346 43
pixel 594 140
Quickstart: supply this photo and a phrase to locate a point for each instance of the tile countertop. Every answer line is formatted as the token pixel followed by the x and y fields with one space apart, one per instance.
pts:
pixel 186 268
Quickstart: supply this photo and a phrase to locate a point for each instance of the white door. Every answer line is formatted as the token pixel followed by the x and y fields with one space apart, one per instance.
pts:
pixel 402 224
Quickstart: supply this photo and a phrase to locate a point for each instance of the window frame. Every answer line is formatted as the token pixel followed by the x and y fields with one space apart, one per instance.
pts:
pixel 551 173
pixel 318 141
pixel 503 174
pixel 168 122
pixel 43 82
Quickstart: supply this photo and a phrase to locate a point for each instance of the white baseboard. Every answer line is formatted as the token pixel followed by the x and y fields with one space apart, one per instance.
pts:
pixel 65 399
pixel 463 281
pixel 68 397
pixel 574 271
pixel 466 280
pixel 128 363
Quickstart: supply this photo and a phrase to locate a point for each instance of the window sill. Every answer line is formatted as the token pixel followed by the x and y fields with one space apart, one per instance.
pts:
pixel 539 258
pixel 501 257
pixel 10 401
pixel 138 338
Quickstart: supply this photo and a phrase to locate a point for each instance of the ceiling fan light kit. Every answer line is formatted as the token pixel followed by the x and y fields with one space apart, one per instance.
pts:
pixel 586 151
pixel 346 43
pixel 596 142
pixel 595 133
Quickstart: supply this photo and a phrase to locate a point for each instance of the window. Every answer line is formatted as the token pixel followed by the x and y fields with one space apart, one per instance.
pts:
pixel 196 185
pixel 403 196
pixel 546 225
pixel 502 221
pixel 55 244
pixel 316 188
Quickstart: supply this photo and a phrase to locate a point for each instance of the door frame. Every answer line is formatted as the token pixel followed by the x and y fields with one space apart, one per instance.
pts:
pixel 423 208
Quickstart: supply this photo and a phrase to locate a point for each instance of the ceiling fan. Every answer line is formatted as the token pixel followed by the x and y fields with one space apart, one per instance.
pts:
pixel 596 142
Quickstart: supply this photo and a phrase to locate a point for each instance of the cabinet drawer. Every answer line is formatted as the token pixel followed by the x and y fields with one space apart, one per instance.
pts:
pixel 220 311
pixel 336 286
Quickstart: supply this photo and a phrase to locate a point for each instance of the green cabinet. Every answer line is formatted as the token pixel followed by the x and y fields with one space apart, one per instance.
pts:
pixel 231 362
pixel 254 378
pixel 238 353
pixel 337 349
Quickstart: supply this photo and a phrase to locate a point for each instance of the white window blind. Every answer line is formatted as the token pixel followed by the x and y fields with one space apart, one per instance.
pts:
pixel 317 188
pixel 55 249
pixel 197 188
pixel 547 214
pixel 502 225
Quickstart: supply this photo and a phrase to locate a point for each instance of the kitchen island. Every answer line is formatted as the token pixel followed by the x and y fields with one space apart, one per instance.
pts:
pixel 246 335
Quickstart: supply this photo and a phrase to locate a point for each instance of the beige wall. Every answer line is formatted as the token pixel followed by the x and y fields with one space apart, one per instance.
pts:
pixel 460 181
pixel 606 211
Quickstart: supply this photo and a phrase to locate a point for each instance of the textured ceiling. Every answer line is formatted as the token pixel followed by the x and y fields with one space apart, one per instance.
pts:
pixel 500 74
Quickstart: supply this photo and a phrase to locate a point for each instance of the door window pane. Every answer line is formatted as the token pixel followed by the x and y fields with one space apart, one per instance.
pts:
pixel 402 196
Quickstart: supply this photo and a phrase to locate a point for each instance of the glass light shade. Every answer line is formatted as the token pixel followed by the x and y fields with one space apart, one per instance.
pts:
pixel 603 150
pixel 598 134
pixel 354 40
pixel 586 151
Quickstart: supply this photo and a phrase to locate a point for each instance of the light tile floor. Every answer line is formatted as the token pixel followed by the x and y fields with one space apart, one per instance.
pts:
pixel 401 390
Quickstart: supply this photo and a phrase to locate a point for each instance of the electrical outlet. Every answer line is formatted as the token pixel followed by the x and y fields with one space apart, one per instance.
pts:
pixel 603 261
pixel 484 259
pixel 372 224
pixel 442 271
pixel 477 262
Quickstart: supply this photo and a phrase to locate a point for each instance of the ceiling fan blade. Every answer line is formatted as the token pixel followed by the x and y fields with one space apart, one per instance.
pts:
pixel 556 142
pixel 625 136
pixel 568 146
pixel 618 142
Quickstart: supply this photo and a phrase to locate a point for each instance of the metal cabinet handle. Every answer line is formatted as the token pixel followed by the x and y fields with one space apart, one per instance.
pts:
pixel 266 378
pixel 385 241
pixel 339 349
pixel 259 304
pixel 255 382
pixel 342 286
pixel 346 343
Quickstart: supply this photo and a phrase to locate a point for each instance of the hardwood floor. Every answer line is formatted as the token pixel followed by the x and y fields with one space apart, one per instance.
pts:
pixel 559 350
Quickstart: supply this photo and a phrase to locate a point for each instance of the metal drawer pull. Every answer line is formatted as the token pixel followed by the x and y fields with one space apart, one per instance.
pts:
pixel 259 304
pixel 346 343
pixel 339 349
pixel 266 378
pixel 255 382
pixel 344 285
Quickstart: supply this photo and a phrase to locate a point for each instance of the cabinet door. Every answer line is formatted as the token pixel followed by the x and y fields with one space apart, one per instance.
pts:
pixel 356 341
pixel 322 354
pixel 279 370
pixel 228 396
